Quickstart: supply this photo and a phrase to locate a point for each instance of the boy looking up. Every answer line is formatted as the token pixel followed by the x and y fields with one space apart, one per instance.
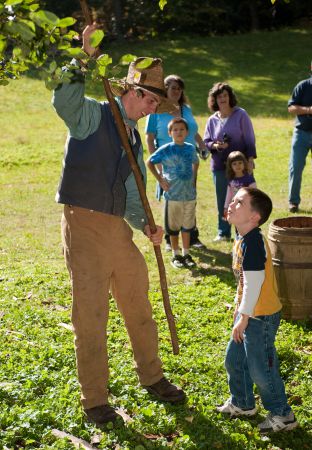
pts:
pixel 251 355
pixel 178 180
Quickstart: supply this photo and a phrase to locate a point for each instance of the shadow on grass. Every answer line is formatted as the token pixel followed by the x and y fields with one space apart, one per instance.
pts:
pixel 214 262
pixel 299 438
pixel 192 428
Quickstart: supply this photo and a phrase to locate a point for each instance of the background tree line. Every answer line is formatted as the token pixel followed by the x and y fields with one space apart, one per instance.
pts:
pixel 143 18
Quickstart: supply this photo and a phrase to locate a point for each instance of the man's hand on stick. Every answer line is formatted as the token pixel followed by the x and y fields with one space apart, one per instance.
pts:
pixel 155 238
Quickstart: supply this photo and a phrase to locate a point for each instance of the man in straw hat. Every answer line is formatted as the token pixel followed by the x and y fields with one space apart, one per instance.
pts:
pixel 99 192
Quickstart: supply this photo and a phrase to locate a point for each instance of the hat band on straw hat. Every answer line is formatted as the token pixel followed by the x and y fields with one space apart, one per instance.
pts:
pixel 153 89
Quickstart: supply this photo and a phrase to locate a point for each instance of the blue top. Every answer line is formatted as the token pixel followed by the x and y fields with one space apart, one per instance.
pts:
pixel 157 124
pixel 177 162
pixel 302 95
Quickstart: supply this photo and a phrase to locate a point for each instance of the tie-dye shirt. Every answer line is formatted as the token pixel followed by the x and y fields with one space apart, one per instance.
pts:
pixel 177 162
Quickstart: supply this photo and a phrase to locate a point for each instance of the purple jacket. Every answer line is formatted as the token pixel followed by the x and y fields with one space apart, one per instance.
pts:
pixel 238 128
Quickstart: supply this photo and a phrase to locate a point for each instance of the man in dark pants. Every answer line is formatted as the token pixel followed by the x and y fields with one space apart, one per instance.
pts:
pixel 99 192
pixel 300 104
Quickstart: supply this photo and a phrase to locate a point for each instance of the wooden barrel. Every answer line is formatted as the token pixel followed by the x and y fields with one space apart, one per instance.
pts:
pixel 290 242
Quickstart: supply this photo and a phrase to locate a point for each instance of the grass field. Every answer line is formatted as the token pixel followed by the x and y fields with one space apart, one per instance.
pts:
pixel 38 385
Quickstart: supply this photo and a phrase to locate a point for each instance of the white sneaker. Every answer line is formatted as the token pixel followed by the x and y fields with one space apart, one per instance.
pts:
pixel 235 411
pixel 221 238
pixel 278 423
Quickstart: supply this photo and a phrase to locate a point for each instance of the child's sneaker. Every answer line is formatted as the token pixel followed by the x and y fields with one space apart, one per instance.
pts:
pixel 177 262
pixel 235 411
pixel 278 423
pixel 188 261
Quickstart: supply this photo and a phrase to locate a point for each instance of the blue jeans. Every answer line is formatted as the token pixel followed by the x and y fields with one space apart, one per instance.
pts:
pixel 255 361
pixel 221 182
pixel 300 146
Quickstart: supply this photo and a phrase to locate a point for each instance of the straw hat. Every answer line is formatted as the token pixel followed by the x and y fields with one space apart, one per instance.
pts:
pixel 146 74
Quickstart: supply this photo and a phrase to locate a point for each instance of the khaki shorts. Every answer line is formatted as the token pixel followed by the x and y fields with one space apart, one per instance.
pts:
pixel 179 216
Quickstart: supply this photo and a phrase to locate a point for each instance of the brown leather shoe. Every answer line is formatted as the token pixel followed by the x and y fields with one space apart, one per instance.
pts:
pixel 293 208
pixel 166 391
pixel 101 414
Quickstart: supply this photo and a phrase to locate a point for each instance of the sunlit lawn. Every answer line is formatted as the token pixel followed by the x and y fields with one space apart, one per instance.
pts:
pixel 38 385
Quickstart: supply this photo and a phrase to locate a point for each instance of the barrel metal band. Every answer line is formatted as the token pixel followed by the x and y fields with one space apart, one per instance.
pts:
pixel 291 265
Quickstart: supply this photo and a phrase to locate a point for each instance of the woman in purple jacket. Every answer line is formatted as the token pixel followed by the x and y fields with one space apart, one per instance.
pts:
pixel 228 129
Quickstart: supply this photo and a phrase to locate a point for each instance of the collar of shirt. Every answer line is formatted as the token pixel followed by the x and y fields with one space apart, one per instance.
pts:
pixel 129 124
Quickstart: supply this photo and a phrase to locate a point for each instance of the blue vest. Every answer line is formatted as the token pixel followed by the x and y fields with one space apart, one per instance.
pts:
pixel 95 169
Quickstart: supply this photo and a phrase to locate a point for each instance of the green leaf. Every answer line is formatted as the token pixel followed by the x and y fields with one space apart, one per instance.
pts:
pixel 63 45
pixel 101 64
pixel 52 67
pixel 146 62
pixel 51 84
pixel 17 52
pixel 162 4
pixel 96 37
pixel 70 35
pixel 76 53
pixel 66 22
pixel 4 82
pixel 3 44
pixel 13 2
pixel 34 7
pixel 43 17
pixel 126 59
pixel 30 24
pixel 19 28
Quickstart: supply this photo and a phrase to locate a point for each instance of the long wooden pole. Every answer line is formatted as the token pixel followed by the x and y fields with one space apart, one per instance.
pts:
pixel 141 187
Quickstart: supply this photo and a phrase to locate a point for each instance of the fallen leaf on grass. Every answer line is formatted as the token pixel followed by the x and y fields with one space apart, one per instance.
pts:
pixel 228 305
pixel 96 439
pixel 295 400
pixel 1 314
pixel 124 415
pixel 78 443
pixel 66 325
pixel 152 436
pixel 47 301
pixel 18 333
pixel 189 419
pixel 307 351
pixel 60 307
pixel 169 437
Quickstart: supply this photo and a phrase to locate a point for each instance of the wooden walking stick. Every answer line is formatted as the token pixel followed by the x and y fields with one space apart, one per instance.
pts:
pixel 139 180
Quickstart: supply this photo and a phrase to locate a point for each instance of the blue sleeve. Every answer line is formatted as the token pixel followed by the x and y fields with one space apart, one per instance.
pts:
pixel 296 97
pixel 157 157
pixel 254 253
pixel 195 159
pixel 151 124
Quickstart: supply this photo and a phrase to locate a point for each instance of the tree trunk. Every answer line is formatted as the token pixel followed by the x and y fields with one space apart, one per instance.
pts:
pixel 118 10
pixel 252 5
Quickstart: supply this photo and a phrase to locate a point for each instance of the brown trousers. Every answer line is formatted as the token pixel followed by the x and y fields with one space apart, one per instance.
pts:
pixel 101 257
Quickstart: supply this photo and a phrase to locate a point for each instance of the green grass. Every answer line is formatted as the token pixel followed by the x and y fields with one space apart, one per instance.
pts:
pixel 38 384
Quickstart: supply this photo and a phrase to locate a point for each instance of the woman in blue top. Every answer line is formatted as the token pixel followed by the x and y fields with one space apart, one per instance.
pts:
pixel 156 130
